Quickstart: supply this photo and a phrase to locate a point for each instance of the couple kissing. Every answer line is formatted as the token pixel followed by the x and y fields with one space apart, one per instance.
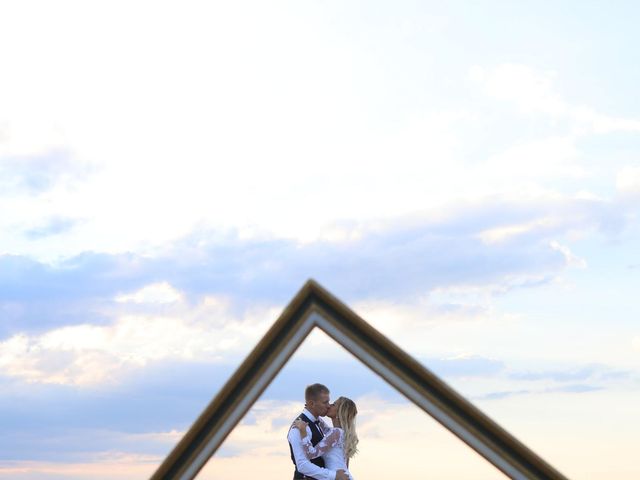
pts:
pixel 321 451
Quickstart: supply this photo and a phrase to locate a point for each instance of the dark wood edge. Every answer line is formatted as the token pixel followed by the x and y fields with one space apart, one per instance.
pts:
pixel 403 365
pixel 431 386
pixel 223 404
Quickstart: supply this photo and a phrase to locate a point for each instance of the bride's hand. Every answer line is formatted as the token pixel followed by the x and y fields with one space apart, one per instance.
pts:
pixel 301 425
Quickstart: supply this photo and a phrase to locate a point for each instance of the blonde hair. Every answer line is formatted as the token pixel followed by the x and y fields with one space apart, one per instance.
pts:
pixel 347 412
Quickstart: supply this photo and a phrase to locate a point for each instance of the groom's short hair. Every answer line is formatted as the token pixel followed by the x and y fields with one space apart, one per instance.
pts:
pixel 312 392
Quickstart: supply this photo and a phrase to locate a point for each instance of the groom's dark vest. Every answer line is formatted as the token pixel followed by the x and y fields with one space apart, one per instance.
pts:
pixel 316 436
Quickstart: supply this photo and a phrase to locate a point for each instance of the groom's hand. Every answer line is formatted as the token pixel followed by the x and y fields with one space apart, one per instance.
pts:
pixel 340 475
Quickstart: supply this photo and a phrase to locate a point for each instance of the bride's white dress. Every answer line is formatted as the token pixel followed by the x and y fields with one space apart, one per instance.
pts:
pixel 330 448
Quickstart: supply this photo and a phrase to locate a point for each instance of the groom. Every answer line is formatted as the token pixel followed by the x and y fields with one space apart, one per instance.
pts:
pixel 316 405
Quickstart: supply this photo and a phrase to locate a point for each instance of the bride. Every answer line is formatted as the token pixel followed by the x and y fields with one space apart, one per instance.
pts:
pixel 340 442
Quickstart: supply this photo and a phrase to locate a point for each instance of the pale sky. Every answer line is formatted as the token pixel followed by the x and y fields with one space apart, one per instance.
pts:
pixel 465 175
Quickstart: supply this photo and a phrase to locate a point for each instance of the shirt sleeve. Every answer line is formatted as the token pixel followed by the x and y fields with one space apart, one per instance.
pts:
pixel 303 464
pixel 331 440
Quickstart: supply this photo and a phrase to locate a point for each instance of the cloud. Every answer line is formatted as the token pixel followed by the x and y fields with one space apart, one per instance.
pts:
pixel 109 465
pixel 420 163
pixel 25 138
pixel 148 411
pixel 628 181
pixel 155 293
pixel 487 248
pixel 575 388
pixel 503 394
pixel 553 157
pixel 35 174
pixel 87 354
pixel 260 440
pixel 162 397
pixel 464 366
pixel 594 373
pixel 224 184
pixel 533 91
pixel 88 444
pixel 570 258
pixel 145 372
pixel 53 226
pixel 509 232
pixel 530 90
pixel 510 382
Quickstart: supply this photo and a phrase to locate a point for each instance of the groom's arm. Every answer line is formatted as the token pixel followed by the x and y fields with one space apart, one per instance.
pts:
pixel 303 464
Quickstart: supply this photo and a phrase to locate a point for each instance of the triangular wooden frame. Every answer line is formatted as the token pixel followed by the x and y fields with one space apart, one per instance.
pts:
pixel 313 306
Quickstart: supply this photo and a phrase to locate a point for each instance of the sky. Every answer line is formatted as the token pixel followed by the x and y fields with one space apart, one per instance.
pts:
pixel 464 175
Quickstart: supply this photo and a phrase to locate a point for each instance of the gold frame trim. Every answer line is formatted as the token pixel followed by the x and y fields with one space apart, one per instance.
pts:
pixel 312 307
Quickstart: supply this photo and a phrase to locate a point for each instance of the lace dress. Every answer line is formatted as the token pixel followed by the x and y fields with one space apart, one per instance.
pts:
pixel 330 448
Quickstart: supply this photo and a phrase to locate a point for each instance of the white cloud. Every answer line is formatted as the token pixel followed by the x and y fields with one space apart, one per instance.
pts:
pixel 91 354
pixel 552 157
pixel 628 181
pixel 27 137
pixel 599 123
pixel 161 292
pixel 109 465
pixel 533 91
pixel 203 174
pixel 510 232
pixel 635 343
pixel 192 138
pixel 570 258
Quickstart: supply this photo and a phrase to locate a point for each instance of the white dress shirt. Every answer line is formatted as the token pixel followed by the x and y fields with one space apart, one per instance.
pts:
pixel 303 464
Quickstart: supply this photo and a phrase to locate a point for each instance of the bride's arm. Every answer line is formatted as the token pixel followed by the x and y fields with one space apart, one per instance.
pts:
pixel 329 441
pixel 324 426
pixel 301 425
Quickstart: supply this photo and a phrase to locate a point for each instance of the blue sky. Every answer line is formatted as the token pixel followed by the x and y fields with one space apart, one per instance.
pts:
pixel 465 175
